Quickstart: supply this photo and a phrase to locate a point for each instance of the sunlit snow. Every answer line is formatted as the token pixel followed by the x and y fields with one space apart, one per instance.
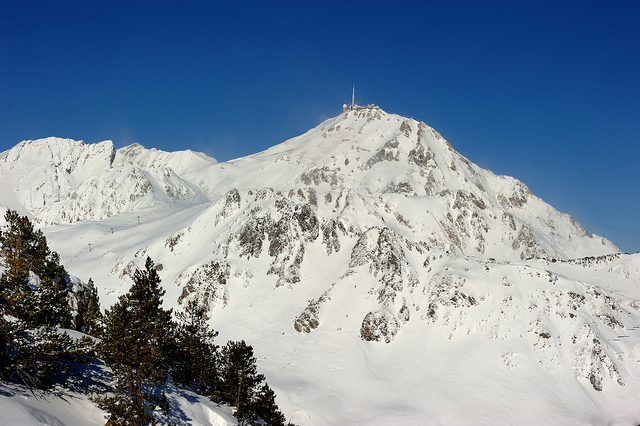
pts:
pixel 470 276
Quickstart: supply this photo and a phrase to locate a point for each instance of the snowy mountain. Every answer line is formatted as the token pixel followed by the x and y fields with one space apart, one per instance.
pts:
pixel 61 180
pixel 381 277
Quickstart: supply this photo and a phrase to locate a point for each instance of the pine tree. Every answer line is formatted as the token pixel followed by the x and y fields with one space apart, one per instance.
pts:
pixel 24 250
pixel 20 243
pixel 51 306
pixel 239 378
pixel 36 357
pixel 136 344
pixel 195 357
pixel 16 296
pixel 32 351
pixel 266 408
pixel 92 318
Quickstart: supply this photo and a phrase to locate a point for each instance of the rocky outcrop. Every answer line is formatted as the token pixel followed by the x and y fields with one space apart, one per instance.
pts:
pixel 379 326
pixel 206 284
pixel 389 152
pixel 309 319
pixel 318 176
pixel 590 360
pixel 381 251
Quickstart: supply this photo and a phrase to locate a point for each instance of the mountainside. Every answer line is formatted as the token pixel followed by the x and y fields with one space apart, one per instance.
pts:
pixel 400 172
pixel 381 277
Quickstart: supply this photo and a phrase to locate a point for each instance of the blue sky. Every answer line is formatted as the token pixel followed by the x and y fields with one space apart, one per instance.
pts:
pixel 545 91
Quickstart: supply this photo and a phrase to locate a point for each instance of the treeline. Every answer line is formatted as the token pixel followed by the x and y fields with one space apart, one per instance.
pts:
pixel 144 344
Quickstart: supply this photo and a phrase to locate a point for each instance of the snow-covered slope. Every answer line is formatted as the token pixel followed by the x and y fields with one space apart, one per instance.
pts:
pixel 381 277
pixel 71 405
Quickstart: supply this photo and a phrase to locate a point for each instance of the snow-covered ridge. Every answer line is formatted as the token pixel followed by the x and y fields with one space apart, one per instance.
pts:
pixel 405 169
pixel 366 260
pixel 399 167
pixel 62 180
pixel 183 163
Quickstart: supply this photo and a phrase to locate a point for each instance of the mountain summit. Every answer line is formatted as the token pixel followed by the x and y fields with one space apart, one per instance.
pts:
pixel 400 171
pixel 382 277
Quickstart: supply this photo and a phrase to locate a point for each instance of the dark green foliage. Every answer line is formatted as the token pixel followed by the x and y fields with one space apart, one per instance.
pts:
pixel 241 385
pixel 37 357
pixel 239 377
pixel 89 319
pixel 23 250
pixel 137 341
pixel 16 297
pixel 123 412
pixel 21 244
pixel 32 351
pixel 265 407
pixel 50 306
pixel 5 339
pixel 195 357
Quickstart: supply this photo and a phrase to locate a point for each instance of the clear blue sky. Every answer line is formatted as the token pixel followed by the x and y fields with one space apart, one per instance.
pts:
pixel 545 91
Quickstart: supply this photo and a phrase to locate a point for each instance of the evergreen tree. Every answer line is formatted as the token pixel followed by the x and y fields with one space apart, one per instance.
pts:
pixel 33 302
pixel 136 344
pixel 37 357
pixel 51 305
pixel 266 408
pixel 16 296
pixel 92 318
pixel 239 378
pixel 20 243
pixel 23 250
pixel 195 358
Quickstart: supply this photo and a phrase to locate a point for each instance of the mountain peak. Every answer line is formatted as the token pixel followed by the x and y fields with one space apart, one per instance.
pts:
pixel 402 172
pixel 359 247
pixel 412 179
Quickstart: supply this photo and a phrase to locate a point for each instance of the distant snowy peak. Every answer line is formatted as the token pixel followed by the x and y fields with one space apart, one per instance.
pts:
pixel 181 162
pixel 62 180
pixel 367 230
pixel 65 154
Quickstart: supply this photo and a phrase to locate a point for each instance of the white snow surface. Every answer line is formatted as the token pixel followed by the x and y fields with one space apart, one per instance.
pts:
pixel 381 277
pixel 70 406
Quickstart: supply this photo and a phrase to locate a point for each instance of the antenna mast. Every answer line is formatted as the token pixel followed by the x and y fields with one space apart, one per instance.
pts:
pixel 353 95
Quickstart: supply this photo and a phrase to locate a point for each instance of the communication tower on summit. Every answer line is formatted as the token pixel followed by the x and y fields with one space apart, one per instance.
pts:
pixel 353 100
pixel 353 105
pixel 353 96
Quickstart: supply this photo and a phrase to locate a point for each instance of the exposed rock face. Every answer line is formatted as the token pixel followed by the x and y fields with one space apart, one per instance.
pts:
pixel 447 290
pixel 206 284
pixel 526 240
pixel 590 360
pixel 309 319
pixel 389 152
pixel 381 251
pixel 231 205
pixel 296 226
pixel 379 326
pixel 330 238
pixel 318 176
